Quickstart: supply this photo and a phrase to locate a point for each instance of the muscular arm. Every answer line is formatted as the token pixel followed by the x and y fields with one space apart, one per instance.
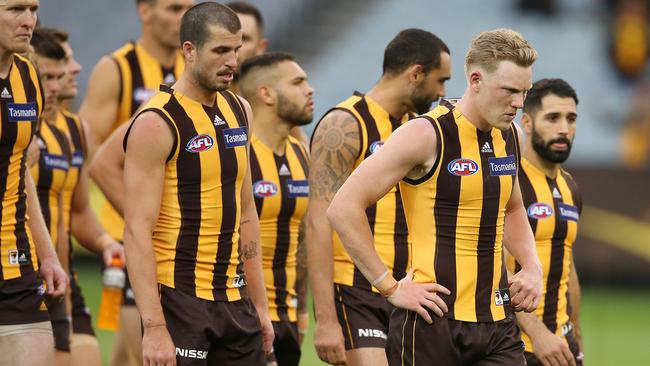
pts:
pixel 574 298
pixel 336 145
pixel 100 106
pixel 107 169
pixel 55 277
pixel 301 270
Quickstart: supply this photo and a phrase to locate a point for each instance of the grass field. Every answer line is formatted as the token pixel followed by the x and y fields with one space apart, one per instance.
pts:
pixel 616 323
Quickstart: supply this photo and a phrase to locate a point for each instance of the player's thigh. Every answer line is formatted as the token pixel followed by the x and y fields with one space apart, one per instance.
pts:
pixel 127 343
pixel 366 357
pixel 84 350
pixel 27 349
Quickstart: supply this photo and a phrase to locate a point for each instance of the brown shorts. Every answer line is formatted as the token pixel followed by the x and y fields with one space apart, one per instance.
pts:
pixel 363 315
pixel 81 318
pixel 573 347
pixel 60 325
pixel 212 332
pixel 286 346
pixel 22 300
pixel 449 342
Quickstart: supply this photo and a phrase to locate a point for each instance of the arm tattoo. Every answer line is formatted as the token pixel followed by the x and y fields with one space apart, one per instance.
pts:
pixel 301 269
pixel 335 147
pixel 249 251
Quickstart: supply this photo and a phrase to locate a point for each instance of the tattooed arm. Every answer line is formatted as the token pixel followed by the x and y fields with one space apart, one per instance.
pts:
pixel 335 146
pixel 301 282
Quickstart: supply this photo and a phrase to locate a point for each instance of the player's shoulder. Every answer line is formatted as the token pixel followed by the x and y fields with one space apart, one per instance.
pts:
pixel 123 50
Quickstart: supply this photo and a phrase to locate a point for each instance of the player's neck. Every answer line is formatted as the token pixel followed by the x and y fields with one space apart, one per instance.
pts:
pixel 234 87
pixel 65 104
pixel 6 59
pixel 272 130
pixel 187 86
pixel 550 169
pixel 165 55
pixel 468 107
pixel 389 95
pixel 50 114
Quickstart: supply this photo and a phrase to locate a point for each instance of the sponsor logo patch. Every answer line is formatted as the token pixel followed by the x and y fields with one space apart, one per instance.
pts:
pixel 18 256
pixel 568 212
pixel 298 188
pixel 218 121
pixel 238 281
pixel 501 296
pixel 191 353
pixel 284 170
pixel 374 333
pixel 77 159
pixel 540 210
pixel 462 167
pixel 234 137
pixel 375 146
pixel 142 95
pixel 264 188
pixel 503 166
pixel 22 112
pixel 52 161
pixel 199 143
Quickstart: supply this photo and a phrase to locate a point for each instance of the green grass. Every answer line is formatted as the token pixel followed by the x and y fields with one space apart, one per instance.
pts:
pixel 616 323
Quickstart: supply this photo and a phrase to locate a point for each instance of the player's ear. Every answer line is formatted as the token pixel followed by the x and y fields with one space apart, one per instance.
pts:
pixel 475 78
pixel 527 123
pixel 415 74
pixel 189 51
pixel 262 45
pixel 144 11
pixel 267 94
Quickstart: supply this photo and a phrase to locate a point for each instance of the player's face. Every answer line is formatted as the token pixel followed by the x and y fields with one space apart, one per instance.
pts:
pixel 165 19
pixel 502 92
pixel 214 63
pixel 72 68
pixel 251 38
pixel 17 21
pixel 295 104
pixel 433 85
pixel 53 74
pixel 554 128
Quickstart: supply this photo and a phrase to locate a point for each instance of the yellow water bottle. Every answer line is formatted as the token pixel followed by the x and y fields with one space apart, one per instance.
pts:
pixel 109 310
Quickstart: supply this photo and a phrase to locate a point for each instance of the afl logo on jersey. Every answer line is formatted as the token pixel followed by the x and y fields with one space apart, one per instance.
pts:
pixel 375 146
pixel 540 210
pixel 264 188
pixel 462 167
pixel 199 143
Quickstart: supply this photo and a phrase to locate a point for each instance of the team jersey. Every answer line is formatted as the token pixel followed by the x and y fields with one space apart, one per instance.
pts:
pixel 386 217
pixel 140 76
pixel 553 207
pixel 280 190
pixel 456 212
pixel 196 237
pixel 21 104
pixel 50 175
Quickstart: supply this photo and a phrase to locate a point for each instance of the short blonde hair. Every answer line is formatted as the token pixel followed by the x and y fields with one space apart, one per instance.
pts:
pixel 491 47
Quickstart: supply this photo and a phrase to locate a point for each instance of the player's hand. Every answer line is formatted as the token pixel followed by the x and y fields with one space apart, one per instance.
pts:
pixel 416 296
pixel 329 342
pixel 267 332
pixel 551 350
pixel 113 249
pixel 303 326
pixel 157 347
pixel 56 280
pixel 526 289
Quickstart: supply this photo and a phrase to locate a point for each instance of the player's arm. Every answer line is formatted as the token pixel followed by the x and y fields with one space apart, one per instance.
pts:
pixel 301 282
pixel 574 295
pixel 86 227
pixel 549 348
pixel 525 285
pixel 407 151
pixel 100 106
pixel 107 168
pixel 63 253
pixel 56 279
pixel 336 145
pixel 149 144
pixel 251 248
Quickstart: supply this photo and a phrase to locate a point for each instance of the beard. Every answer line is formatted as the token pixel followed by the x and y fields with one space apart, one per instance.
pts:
pixel 421 101
pixel 544 149
pixel 292 113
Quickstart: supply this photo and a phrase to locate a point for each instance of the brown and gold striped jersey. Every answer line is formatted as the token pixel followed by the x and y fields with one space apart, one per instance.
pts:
pixel 386 217
pixel 140 76
pixel 21 104
pixel 196 236
pixel 281 190
pixel 50 174
pixel 456 212
pixel 553 207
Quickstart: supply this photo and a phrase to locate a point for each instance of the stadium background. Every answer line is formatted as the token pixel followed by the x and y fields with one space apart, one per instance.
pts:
pixel 600 47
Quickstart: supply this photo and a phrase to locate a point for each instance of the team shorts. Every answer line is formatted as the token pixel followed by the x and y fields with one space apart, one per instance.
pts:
pixel 22 300
pixel 364 317
pixel 212 332
pixel 81 318
pixel 286 345
pixel 449 342
pixel 60 324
